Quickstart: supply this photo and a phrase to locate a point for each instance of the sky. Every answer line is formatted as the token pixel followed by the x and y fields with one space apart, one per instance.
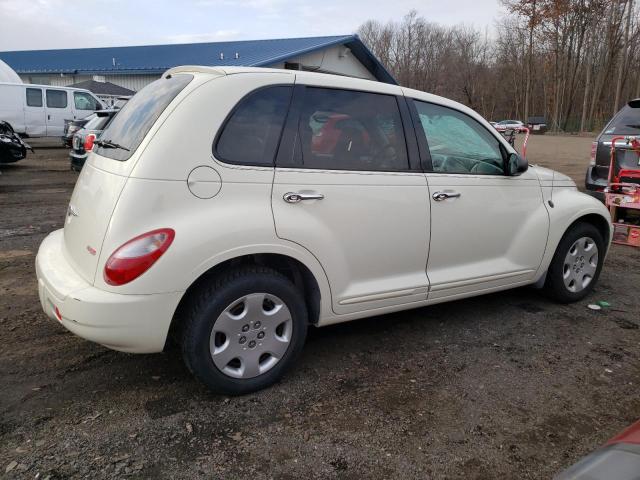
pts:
pixel 47 24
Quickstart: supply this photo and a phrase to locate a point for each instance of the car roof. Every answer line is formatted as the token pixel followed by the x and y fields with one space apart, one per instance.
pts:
pixel 327 79
pixel 332 81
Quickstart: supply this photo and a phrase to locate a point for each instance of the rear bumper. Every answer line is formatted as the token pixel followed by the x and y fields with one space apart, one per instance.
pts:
pixel 595 184
pixel 77 160
pixel 129 323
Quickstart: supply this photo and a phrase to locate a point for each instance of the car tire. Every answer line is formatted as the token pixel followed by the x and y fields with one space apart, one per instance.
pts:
pixel 251 312
pixel 574 270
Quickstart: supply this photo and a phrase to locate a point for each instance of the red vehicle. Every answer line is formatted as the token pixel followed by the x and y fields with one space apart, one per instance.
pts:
pixel 618 459
pixel 335 126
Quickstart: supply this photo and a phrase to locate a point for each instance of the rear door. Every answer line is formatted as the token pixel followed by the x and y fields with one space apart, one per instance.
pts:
pixel 58 109
pixel 488 230
pixel 347 188
pixel 34 112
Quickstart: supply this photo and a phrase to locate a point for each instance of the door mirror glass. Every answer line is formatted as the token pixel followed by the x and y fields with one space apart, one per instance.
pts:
pixel 516 165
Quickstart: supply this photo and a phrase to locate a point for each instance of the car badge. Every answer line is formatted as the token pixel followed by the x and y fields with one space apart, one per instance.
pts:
pixel 71 211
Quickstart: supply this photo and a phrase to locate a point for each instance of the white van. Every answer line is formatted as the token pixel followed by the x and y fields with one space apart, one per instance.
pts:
pixel 40 110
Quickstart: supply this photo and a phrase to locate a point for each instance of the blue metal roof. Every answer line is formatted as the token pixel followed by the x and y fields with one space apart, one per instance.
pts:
pixel 155 59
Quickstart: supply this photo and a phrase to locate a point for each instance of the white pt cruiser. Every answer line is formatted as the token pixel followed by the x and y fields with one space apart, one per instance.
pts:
pixel 230 208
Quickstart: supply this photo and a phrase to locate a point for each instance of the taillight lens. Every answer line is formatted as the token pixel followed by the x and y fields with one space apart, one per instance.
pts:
pixel 594 150
pixel 88 142
pixel 136 256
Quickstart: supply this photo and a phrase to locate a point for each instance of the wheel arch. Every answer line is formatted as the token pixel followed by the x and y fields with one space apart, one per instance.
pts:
pixel 314 289
pixel 572 207
pixel 598 221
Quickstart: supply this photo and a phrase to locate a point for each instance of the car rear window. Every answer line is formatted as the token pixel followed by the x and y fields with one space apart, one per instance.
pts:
pixel 626 122
pixel 97 123
pixel 138 115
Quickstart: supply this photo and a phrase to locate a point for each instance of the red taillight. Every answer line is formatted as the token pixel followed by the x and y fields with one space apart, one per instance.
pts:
pixel 58 314
pixel 594 150
pixel 136 256
pixel 88 142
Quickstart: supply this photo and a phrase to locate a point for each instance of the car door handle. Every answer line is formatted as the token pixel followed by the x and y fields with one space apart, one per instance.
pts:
pixel 440 196
pixel 295 197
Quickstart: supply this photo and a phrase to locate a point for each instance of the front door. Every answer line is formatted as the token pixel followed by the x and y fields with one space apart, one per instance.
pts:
pixel 488 230
pixel 345 190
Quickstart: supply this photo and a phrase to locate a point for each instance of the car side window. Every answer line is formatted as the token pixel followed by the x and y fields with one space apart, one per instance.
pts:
pixel 252 132
pixel 458 143
pixel 84 101
pixel 349 130
pixel 56 98
pixel 34 97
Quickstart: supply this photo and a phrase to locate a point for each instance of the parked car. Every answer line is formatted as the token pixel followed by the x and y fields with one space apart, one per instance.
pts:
pixel 516 125
pixel 12 147
pixel 83 140
pixel 72 126
pixel 40 110
pixel 537 125
pixel 205 216
pixel 625 123
pixel 618 459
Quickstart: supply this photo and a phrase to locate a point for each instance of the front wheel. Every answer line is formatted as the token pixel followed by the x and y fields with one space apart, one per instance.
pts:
pixel 576 264
pixel 244 330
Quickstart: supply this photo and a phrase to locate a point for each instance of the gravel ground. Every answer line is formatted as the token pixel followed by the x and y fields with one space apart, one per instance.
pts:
pixel 508 385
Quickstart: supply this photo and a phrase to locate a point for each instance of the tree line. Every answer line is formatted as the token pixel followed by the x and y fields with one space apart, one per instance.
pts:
pixel 573 62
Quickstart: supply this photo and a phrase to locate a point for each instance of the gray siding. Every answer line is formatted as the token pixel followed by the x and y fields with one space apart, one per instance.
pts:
pixel 336 59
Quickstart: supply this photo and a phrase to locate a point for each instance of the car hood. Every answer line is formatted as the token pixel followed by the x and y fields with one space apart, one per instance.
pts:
pixel 550 177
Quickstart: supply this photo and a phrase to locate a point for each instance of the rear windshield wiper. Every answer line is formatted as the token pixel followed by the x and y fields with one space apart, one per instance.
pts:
pixel 633 125
pixel 109 144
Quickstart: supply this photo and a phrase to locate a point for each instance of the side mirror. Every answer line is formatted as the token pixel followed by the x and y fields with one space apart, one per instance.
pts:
pixel 516 165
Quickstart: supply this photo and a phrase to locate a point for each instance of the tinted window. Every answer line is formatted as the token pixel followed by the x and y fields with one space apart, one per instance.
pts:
pixel 84 101
pixel 348 130
pixel 458 143
pixel 251 134
pixel 56 98
pixel 626 122
pixel 34 97
pixel 136 118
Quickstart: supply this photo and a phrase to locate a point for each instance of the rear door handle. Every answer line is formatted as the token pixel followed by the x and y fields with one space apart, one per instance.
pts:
pixel 295 197
pixel 440 196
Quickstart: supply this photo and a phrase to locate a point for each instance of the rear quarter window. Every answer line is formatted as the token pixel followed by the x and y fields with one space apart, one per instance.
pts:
pixel 250 135
pixel 135 119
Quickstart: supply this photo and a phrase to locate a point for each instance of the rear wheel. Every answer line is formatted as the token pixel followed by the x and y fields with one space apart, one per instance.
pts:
pixel 244 330
pixel 576 264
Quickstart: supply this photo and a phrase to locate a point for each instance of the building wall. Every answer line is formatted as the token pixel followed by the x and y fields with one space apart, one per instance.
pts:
pixel 337 59
pixel 132 82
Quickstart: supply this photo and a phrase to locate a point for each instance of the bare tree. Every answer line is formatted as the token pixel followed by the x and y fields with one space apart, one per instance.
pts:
pixel 567 60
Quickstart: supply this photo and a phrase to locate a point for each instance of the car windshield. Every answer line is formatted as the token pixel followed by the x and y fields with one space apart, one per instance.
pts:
pixel 626 122
pixel 132 123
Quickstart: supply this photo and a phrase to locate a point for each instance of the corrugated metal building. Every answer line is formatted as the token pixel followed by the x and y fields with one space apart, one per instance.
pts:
pixel 135 67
